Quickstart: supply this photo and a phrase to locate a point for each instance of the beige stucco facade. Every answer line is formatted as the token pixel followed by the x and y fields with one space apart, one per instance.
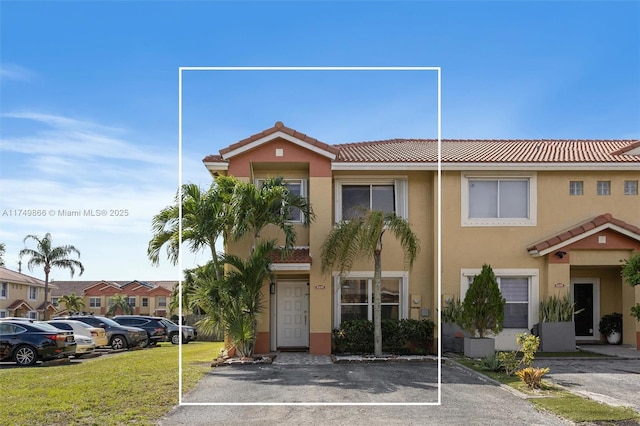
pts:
pixel 22 295
pixel 590 260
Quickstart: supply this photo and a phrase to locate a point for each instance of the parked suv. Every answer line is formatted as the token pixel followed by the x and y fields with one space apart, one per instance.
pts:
pixel 120 336
pixel 159 329
pixel 155 328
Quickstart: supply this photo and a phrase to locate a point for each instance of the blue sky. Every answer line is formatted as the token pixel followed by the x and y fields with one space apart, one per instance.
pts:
pixel 89 95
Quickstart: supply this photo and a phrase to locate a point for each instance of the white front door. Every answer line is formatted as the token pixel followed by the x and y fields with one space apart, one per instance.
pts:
pixel 293 314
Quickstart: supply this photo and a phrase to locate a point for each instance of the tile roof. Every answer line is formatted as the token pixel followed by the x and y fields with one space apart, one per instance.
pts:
pixel 16 304
pixel 298 255
pixel 488 151
pixel 463 151
pixel 16 277
pixel 582 229
pixel 78 287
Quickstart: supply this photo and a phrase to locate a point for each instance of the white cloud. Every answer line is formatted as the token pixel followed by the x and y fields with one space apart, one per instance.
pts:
pixel 15 72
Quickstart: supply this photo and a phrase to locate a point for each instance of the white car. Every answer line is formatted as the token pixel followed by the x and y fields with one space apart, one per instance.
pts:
pixel 84 345
pixel 97 334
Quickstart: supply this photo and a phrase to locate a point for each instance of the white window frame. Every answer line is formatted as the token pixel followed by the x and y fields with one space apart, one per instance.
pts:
pixel 145 302
pixel 531 178
pixel 131 299
pixel 36 290
pixel 576 187
pixel 95 302
pixel 32 315
pixel 158 298
pixel 534 288
pixel 403 302
pixel 4 290
pixel 630 187
pixel 55 301
pixel 603 187
pixel 303 192
pixel 4 313
pixel 401 192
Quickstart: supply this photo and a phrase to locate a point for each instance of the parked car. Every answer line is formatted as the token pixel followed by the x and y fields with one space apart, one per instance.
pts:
pixel 155 328
pixel 188 333
pixel 97 334
pixel 120 336
pixel 26 342
pixel 159 328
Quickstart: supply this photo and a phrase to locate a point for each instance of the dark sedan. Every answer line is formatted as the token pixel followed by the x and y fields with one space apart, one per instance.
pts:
pixel 26 343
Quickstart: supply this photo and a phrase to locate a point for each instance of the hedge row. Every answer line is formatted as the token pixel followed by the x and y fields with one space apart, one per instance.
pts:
pixel 403 336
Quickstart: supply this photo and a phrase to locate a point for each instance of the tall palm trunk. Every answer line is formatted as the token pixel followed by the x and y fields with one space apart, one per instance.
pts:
pixel 377 302
pixel 47 269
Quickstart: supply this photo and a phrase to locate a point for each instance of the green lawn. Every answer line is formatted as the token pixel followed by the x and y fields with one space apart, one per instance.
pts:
pixel 136 387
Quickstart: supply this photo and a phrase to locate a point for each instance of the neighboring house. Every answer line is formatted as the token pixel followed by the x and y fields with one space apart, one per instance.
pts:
pixel 550 217
pixel 146 298
pixel 22 295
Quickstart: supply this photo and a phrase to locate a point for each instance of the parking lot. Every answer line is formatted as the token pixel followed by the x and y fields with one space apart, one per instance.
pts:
pixel 97 353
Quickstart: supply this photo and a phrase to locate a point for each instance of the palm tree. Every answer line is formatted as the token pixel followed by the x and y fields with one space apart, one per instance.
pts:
pixel 120 301
pixel 270 204
pixel 72 302
pixel 2 249
pixel 361 236
pixel 205 217
pixel 235 301
pixel 49 257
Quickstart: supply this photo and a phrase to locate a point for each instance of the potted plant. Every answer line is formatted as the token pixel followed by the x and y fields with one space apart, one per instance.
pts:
pixel 631 274
pixel 611 327
pixel 635 312
pixel 557 330
pixel 482 313
pixel 452 333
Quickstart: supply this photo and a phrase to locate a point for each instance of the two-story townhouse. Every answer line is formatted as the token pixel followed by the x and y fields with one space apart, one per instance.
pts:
pixel 145 297
pixel 22 295
pixel 550 216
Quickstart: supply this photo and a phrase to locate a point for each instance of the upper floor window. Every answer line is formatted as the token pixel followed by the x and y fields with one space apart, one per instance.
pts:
pixel 296 187
pixel 604 187
pixel 162 301
pixel 33 293
pixel 132 301
pixel 576 187
pixel 4 290
pixel 630 187
pixel 55 301
pixel 145 302
pixel 94 302
pixel 356 195
pixel 499 201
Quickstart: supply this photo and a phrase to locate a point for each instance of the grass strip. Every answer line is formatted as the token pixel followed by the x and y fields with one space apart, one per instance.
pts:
pixel 560 402
pixel 136 387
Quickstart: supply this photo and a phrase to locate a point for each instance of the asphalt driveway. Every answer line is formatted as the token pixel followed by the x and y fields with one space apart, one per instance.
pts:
pixel 466 399
pixel 614 381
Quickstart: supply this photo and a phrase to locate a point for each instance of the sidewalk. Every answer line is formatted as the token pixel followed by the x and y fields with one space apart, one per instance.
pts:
pixel 620 351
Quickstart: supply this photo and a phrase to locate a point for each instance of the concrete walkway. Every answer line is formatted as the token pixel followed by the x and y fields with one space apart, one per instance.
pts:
pixel 620 351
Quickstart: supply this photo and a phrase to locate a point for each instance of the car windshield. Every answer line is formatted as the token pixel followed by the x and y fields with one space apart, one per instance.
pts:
pixel 109 321
pixel 46 327
pixel 168 322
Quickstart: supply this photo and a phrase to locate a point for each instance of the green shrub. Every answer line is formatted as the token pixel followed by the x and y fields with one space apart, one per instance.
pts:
pixel 453 311
pixel 528 346
pixel 532 377
pixel 483 305
pixel 491 363
pixel 611 323
pixel 558 309
pixel 509 361
pixel 356 336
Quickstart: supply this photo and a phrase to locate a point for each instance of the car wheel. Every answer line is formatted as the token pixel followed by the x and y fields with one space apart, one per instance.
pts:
pixel 25 355
pixel 145 342
pixel 118 342
pixel 175 339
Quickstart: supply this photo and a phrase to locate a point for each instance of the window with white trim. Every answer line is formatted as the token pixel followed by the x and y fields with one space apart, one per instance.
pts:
pixel 356 195
pixel 131 301
pixel 55 301
pixel 32 315
pixel 498 201
pixel 4 313
pixel 603 187
pixel 145 302
pixel 33 293
pixel 519 287
pixel 95 302
pixel 354 298
pixel 296 187
pixel 576 187
pixel 630 187
pixel 4 290
pixel 162 301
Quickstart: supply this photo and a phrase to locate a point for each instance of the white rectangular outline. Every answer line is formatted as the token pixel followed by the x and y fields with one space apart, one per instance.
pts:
pixel 439 243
